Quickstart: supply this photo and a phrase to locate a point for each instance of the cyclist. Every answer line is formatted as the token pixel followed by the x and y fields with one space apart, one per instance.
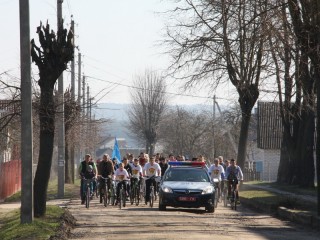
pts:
pixel 234 173
pixel 121 175
pixel 83 168
pixel 130 159
pixel 136 173
pixel 115 163
pixel 172 158
pixel 163 165
pixel 136 169
pixel 217 171
pixel 150 169
pixel 221 162
pixel 127 167
pixel 105 169
pixel 143 159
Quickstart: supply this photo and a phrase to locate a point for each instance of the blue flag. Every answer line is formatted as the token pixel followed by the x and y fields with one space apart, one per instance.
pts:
pixel 116 151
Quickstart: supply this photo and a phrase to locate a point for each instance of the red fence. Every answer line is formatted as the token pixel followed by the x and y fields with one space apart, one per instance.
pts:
pixel 10 178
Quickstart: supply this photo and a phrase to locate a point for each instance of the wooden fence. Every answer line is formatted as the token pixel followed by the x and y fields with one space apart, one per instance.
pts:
pixel 10 178
pixel 251 175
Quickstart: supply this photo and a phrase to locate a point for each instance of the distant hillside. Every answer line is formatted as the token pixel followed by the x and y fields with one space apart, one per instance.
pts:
pixel 118 114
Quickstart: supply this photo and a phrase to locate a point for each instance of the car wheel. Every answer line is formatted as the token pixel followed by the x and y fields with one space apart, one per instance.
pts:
pixel 162 207
pixel 210 208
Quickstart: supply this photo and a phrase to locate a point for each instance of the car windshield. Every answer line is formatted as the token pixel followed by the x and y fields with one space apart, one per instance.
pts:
pixel 186 175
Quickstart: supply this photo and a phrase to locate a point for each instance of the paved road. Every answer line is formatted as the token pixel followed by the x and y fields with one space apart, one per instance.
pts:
pixel 142 222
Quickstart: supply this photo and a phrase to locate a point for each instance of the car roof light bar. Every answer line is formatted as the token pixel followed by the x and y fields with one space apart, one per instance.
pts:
pixel 187 163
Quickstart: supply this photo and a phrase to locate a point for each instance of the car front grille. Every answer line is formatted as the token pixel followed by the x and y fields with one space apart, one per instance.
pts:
pixel 187 192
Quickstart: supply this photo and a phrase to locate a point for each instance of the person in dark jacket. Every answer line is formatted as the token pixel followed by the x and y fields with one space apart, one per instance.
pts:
pixel 106 170
pixel 163 165
pixel 83 169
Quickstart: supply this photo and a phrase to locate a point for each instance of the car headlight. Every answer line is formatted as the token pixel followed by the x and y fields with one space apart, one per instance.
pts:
pixel 166 189
pixel 208 189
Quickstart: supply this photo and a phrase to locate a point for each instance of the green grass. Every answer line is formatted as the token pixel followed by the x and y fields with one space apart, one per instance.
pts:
pixel 288 188
pixel 266 198
pixel 71 191
pixel 41 228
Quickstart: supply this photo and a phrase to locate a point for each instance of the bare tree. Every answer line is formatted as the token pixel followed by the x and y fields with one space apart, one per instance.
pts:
pixel 186 132
pixel 189 132
pixel 51 58
pixel 306 27
pixel 222 38
pixel 149 102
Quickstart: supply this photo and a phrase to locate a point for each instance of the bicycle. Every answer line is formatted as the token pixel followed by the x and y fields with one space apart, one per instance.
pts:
pixel 122 194
pixel 225 193
pixel 104 190
pixel 87 185
pixel 153 183
pixel 216 183
pixel 142 192
pixel 135 191
pixel 156 192
pixel 233 199
pixel 112 193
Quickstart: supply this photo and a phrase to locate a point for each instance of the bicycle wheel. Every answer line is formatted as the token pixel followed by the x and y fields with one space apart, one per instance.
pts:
pixel 88 197
pixel 105 196
pixel 132 195
pixel 96 191
pixel 232 200
pixel 137 189
pixel 112 196
pixel 124 198
pixel 216 199
pixel 120 198
pixel 235 200
pixel 225 199
pixel 151 196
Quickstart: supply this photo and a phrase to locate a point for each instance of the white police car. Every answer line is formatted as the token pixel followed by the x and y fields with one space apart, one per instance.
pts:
pixel 188 185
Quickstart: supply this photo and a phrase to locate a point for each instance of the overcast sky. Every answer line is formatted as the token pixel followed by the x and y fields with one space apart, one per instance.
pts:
pixel 118 39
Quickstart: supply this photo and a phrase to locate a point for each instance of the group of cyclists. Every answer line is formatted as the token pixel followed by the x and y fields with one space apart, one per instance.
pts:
pixel 226 171
pixel 143 167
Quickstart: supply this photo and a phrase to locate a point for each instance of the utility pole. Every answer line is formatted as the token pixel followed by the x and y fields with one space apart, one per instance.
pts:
pixel 60 122
pixel 233 144
pixel 72 67
pixel 88 100
pixel 213 120
pixel 83 96
pixel 87 116
pixel 79 78
pixel 84 111
pixel 79 101
pixel 72 150
pixel 26 215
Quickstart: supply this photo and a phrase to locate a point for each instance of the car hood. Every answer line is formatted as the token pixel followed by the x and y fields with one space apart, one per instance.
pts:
pixel 186 185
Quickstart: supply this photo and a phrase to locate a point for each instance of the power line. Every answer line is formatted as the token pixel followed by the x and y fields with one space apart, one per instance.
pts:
pixel 170 93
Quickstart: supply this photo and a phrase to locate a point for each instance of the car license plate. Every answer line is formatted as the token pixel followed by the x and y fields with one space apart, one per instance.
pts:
pixel 187 199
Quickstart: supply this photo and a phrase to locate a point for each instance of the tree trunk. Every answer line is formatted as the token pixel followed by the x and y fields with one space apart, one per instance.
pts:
pixel 318 129
pixel 72 156
pixel 285 157
pixel 304 164
pixel 243 138
pixel 67 172
pixel 41 180
pixel 248 96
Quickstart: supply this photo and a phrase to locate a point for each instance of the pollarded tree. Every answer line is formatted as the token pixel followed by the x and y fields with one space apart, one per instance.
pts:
pixel 149 102
pixel 51 57
pixel 213 42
